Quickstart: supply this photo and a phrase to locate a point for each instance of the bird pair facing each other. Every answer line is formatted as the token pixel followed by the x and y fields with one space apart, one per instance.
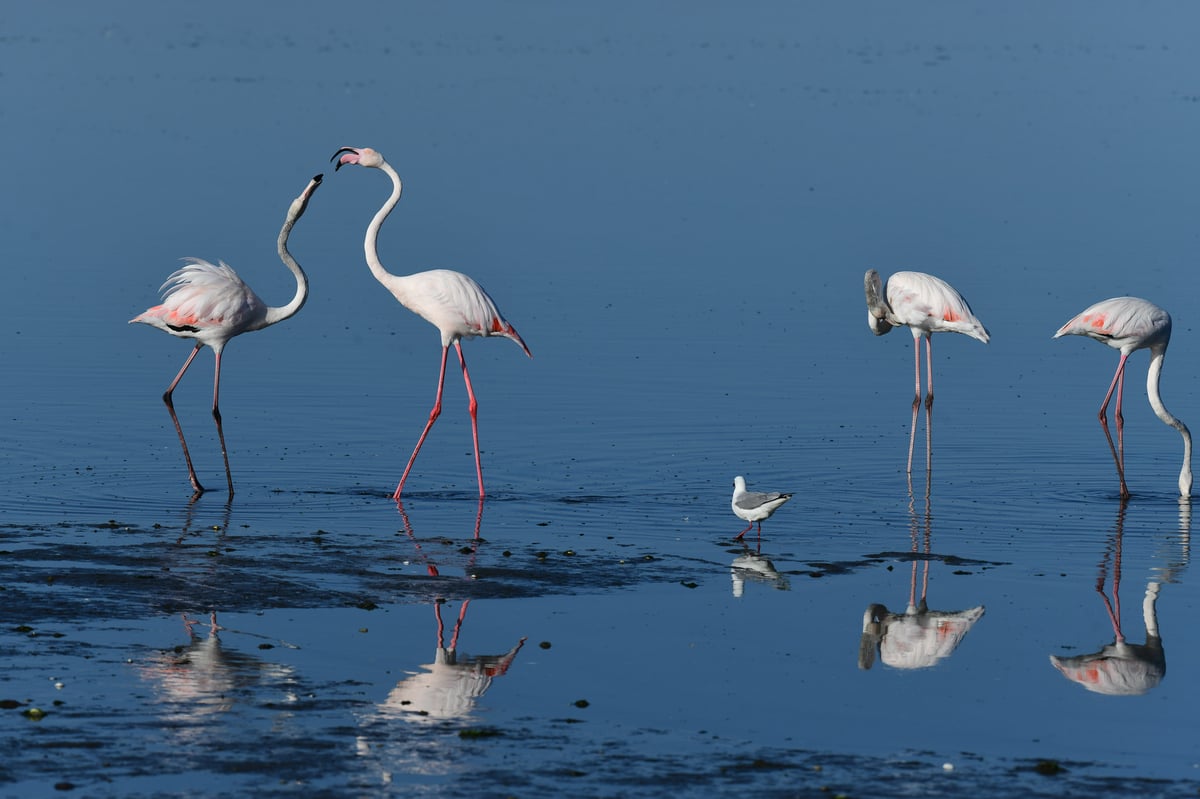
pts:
pixel 210 304
pixel 927 305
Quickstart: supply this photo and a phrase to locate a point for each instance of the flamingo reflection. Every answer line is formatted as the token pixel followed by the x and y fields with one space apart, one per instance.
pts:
pixel 450 686
pixel 202 679
pixel 919 637
pixel 1123 668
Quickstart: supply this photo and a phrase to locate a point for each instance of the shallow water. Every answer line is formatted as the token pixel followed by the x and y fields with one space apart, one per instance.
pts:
pixel 675 208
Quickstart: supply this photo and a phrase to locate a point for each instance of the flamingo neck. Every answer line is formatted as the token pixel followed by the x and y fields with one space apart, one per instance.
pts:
pixel 297 302
pixel 370 242
pixel 1160 410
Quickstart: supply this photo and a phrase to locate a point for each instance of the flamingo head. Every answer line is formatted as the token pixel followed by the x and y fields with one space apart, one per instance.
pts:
pixel 301 203
pixel 363 156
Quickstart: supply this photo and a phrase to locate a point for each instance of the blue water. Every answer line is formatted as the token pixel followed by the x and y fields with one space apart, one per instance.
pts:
pixel 675 207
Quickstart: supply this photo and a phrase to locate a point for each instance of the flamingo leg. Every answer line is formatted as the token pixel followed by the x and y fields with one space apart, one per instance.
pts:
pixel 433 415
pixel 916 403
pixel 196 487
pixel 929 409
pixel 1118 452
pixel 216 412
pixel 462 614
pixel 473 407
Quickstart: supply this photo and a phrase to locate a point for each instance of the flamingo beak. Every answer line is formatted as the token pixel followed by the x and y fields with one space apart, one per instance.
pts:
pixel 350 157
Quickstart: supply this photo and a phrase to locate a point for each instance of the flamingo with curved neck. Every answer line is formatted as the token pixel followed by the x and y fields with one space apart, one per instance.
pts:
pixel 450 301
pixel 210 304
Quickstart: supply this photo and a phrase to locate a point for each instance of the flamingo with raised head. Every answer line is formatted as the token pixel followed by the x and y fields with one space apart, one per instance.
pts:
pixel 1129 324
pixel 450 301
pixel 210 304
pixel 925 305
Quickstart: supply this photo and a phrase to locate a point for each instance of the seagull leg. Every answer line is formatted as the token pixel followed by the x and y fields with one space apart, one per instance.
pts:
pixel 196 487
pixel 216 412
pixel 433 415
pixel 473 407
pixel 738 537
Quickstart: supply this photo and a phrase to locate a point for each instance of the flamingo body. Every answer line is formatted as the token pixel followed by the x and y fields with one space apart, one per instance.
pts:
pixel 450 301
pixel 1128 324
pixel 206 302
pixel 453 303
pixel 210 304
pixel 925 305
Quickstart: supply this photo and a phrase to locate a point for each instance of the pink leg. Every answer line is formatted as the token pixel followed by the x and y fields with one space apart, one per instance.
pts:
pixel 196 487
pixel 916 403
pixel 462 614
pixel 473 406
pixel 1118 452
pixel 216 412
pixel 738 537
pixel 433 415
pixel 929 408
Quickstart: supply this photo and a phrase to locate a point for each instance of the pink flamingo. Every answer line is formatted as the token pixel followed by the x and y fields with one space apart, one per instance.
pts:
pixel 210 304
pixel 1129 324
pixel 926 305
pixel 450 301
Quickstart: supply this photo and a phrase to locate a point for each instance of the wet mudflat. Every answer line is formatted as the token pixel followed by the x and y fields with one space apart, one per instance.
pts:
pixel 676 211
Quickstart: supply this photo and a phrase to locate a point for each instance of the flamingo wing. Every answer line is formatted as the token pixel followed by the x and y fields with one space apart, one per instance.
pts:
pixel 931 305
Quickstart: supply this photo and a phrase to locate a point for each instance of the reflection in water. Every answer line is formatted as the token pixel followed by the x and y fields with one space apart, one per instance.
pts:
pixel 449 686
pixel 918 637
pixel 755 567
pixel 1122 668
pixel 202 679
pixel 445 690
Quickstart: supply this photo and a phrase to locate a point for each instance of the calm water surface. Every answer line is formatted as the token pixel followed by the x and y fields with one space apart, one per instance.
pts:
pixel 675 207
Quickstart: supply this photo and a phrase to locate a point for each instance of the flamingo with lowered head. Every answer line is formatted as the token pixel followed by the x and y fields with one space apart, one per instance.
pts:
pixel 210 304
pixel 1129 324
pixel 450 301
pixel 925 305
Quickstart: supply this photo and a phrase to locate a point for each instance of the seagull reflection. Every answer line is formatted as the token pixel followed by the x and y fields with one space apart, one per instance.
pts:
pixel 918 637
pixel 202 679
pixel 1123 668
pixel 754 567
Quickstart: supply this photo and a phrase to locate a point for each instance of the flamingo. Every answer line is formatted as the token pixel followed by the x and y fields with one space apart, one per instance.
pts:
pixel 210 304
pixel 451 301
pixel 1129 324
pixel 754 506
pixel 926 305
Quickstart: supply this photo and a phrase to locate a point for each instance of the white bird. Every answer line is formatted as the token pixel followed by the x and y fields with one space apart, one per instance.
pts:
pixel 926 305
pixel 452 302
pixel 210 304
pixel 1128 324
pixel 754 506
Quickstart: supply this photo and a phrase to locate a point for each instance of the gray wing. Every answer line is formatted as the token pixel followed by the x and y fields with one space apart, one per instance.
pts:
pixel 756 499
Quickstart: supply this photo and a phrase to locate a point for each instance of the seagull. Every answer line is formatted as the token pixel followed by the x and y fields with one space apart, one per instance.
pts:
pixel 754 506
